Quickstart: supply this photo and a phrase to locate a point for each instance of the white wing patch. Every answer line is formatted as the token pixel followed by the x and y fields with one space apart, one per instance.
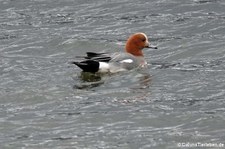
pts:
pixel 127 61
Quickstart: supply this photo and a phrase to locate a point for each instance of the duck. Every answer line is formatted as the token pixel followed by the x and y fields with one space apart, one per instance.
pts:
pixel 131 58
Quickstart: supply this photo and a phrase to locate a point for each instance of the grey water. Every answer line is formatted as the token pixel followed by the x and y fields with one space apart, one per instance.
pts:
pixel 177 102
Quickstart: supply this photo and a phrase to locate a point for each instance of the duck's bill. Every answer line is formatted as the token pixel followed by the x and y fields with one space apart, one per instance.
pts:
pixel 148 45
pixel 152 47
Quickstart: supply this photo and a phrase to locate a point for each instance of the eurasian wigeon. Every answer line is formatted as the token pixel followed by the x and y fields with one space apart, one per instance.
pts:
pixel 133 57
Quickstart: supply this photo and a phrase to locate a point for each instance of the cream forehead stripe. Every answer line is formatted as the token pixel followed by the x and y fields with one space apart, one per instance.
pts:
pixel 145 36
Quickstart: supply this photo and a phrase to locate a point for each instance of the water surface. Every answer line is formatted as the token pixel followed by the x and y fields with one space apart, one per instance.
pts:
pixel 178 99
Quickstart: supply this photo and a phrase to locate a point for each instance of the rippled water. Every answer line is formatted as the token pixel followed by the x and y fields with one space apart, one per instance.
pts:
pixel 45 103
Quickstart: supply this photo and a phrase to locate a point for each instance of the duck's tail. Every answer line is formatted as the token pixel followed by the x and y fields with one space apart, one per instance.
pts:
pixel 88 65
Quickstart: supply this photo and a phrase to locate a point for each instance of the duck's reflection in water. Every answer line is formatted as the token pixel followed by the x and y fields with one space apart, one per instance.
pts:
pixel 89 80
pixel 134 81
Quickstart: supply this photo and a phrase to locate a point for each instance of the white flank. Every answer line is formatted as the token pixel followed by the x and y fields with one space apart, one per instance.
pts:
pixel 103 67
pixel 127 61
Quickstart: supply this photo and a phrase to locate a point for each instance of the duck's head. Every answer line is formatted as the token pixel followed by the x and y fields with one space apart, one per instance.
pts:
pixel 136 43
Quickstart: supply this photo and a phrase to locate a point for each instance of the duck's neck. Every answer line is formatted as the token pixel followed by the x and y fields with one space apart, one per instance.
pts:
pixel 133 49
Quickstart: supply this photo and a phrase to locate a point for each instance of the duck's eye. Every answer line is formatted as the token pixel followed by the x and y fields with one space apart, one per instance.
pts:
pixel 143 40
